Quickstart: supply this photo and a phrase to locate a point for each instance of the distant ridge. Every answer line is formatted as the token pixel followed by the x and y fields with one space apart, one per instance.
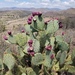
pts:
pixel 47 12
pixel 30 9
pixel 63 13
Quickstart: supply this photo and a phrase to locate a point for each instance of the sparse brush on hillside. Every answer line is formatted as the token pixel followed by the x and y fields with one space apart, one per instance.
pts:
pixel 69 23
pixel 40 52
pixel 13 14
pixel 2 27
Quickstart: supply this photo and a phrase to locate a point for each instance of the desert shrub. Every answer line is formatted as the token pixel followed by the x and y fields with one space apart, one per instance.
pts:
pixel 68 22
pixel 2 27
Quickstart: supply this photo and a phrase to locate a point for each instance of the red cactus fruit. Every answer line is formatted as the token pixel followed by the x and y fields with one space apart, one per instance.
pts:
pixel 39 13
pixel 9 32
pixel 56 18
pixel 52 56
pixel 22 30
pixel 49 47
pixel 63 33
pixel 34 13
pixel 31 51
pixel 5 37
pixel 29 22
pixel 30 42
pixel 30 18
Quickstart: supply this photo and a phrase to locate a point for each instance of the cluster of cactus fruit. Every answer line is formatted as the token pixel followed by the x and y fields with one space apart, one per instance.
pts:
pixel 40 52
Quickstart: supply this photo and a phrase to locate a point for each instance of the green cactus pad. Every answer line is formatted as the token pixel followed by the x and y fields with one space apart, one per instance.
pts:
pixel 73 55
pixel 8 51
pixel 36 69
pixel 42 33
pixel 26 47
pixel 56 25
pixel 9 61
pixel 30 71
pixel 12 39
pixel 20 51
pixel 52 41
pixel 36 46
pixel 58 55
pixel 63 58
pixel 48 61
pixel 56 67
pixel 52 26
pixel 22 69
pixel 28 29
pixel 59 38
pixel 43 40
pixel 63 46
pixel 39 24
pixel 71 69
pixel 21 39
pixel 47 43
pixel 68 60
pixel 37 59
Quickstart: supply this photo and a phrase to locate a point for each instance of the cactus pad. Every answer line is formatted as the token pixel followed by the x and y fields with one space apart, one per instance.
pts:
pixel 36 46
pixel 21 39
pixel 52 41
pixel 9 61
pixel 63 58
pixel 12 39
pixel 52 26
pixel 23 74
pixel 59 38
pixel 30 71
pixel 63 46
pixel 48 61
pixel 37 59
pixel 39 24
pixel 58 55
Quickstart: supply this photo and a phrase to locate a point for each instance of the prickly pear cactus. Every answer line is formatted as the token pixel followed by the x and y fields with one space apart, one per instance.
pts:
pixel 9 61
pixel 37 59
pixel 62 58
pixel 39 50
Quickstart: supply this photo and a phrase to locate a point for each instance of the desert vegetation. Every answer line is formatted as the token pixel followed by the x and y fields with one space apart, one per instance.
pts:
pixel 38 50
pixel 32 44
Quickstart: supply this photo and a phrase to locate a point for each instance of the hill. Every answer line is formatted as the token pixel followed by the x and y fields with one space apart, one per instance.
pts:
pixel 13 14
pixel 61 13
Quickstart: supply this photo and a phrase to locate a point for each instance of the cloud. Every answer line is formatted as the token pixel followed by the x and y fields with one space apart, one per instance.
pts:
pixel 9 0
pixel 26 4
pixel 62 4
pixel 45 1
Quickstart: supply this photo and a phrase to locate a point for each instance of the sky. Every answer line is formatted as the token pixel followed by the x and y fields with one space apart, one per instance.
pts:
pixel 61 4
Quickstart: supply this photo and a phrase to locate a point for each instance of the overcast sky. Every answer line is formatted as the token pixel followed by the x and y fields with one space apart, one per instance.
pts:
pixel 62 4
